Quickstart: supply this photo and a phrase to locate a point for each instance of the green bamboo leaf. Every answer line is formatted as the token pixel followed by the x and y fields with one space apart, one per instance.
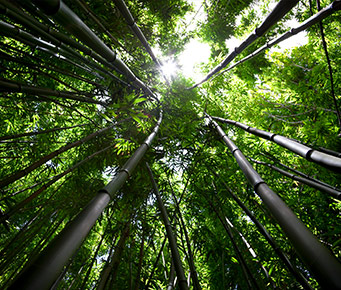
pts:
pixel 139 100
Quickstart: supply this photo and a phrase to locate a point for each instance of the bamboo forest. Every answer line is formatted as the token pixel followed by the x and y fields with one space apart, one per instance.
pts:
pixel 170 144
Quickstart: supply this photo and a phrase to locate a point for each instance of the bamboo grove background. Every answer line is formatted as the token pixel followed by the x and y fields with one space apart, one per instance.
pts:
pixel 77 104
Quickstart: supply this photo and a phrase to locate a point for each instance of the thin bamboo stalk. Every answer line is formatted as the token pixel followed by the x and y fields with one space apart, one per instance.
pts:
pixel 21 173
pixel 12 86
pixel 194 275
pixel 112 267
pixel 282 8
pixel 137 31
pixel 251 282
pixel 99 244
pixel 90 13
pixel 171 238
pixel 298 275
pixel 139 266
pixel 324 13
pixel 170 285
pixel 325 48
pixel 8 137
pixel 297 172
pixel 34 195
pixel 334 193
pixel 155 263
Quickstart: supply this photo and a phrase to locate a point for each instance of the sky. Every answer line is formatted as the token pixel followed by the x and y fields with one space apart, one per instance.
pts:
pixel 196 52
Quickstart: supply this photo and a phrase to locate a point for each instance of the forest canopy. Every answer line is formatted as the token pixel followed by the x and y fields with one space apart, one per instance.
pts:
pixel 120 168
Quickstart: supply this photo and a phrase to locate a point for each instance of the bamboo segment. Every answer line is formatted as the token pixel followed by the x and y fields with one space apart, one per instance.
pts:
pixel 323 159
pixel 115 260
pixel 11 86
pixel 57 38
pixel 46 268
pixel 316 256
pixel 194 275
pixel 22 203
pixel 132 24
pixel 8 137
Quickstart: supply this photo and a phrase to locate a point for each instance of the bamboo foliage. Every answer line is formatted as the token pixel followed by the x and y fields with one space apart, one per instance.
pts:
pixel 282 8
pixel 61 232
pixel 325 12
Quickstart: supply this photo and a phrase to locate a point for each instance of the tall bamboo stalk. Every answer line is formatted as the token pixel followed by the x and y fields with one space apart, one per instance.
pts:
pixel 11 86
pixel 112 267
pixel 171 238
pixel 28 134
pixel 298 275
pixel 194 275
pixel 50 262
pixel 322 263
pixel 72 23
pixel 137 31
pixel 334 193
pixel 57 38
pixel 251 282
pixel 34 195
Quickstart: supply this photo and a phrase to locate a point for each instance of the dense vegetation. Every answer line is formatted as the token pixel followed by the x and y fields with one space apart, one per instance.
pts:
pixel 71 118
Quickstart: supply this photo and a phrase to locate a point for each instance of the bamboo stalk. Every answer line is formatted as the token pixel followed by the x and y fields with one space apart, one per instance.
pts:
pixel 137 31
pixel 251 282
pixel 115 260
pixel 171 238
pixel 322 263
pixel 56 37
pixel 330 191
pixel 72 23
pixel 8 137
pixel 324 13
pixel 11 86
pixel 34 195
pixel 194 275
pixel 282 8
pixel 298 275
pixel 50 262
pixel 323 159
pixel 21 173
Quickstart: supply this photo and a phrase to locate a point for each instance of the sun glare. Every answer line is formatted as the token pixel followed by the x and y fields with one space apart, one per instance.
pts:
pixel 169 68
pixel 194 54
